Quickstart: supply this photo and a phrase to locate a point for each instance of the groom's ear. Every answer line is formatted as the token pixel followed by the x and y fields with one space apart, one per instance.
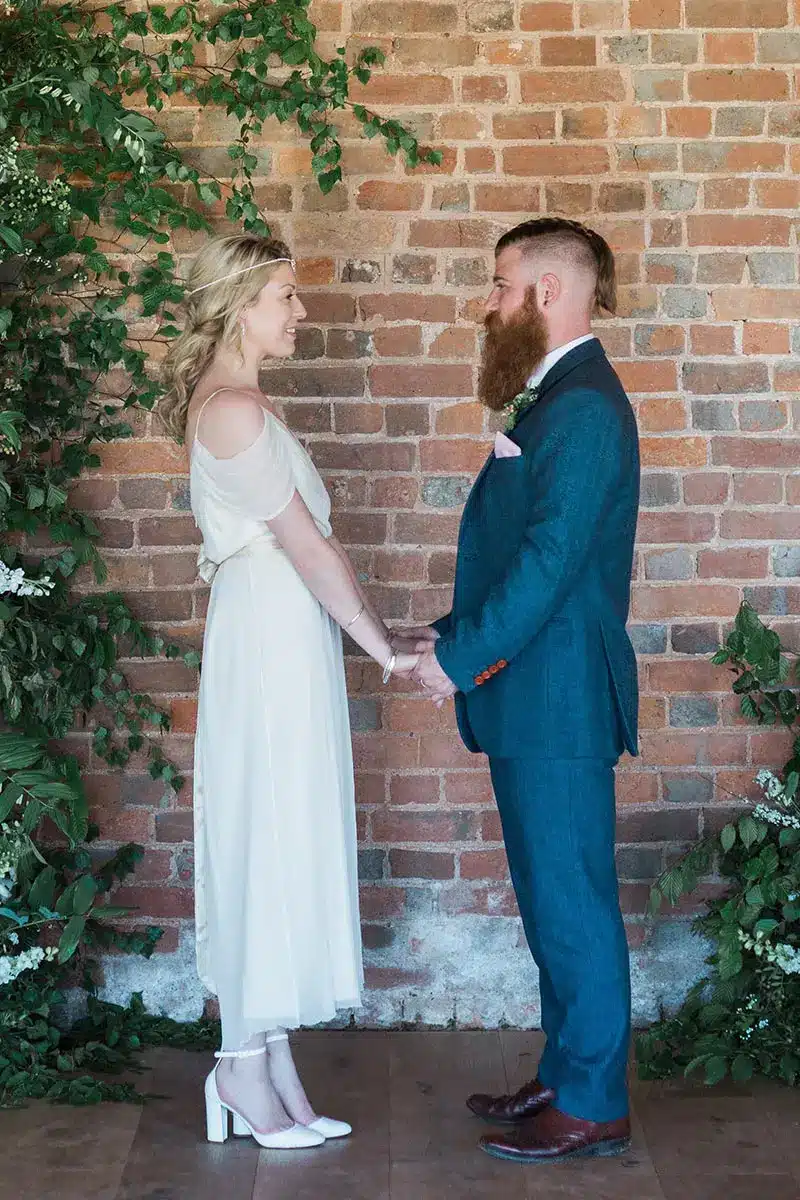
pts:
pixel 548 289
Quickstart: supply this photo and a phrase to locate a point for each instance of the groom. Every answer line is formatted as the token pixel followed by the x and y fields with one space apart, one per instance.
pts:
pixel 544 676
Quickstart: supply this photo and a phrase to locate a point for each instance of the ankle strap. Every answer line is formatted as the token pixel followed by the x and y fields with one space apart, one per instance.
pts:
pixel 277 1037
pixel 240 1053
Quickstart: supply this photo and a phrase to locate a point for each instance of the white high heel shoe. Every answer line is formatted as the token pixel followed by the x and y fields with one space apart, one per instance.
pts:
pixel 325 1126
pixel 298 1137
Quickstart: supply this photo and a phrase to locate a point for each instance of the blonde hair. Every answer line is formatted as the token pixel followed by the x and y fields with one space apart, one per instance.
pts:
pixel 212 315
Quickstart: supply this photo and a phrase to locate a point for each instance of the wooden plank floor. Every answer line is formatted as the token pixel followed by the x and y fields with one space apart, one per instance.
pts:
pixel 414 1139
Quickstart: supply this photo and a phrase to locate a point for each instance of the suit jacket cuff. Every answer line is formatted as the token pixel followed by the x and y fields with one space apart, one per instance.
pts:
pixel 447 657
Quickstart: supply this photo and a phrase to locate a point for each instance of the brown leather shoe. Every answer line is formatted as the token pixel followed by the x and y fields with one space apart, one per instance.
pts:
pixel 553 1136
pixel 510 1110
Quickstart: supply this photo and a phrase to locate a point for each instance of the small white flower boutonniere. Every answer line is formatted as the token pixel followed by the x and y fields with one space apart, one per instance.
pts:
pixel 516 407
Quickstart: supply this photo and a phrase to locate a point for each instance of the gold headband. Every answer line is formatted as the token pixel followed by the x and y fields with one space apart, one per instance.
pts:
pixel 222 278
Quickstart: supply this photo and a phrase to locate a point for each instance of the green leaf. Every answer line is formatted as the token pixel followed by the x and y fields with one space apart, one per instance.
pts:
pixel 43 889
pixel 85 892
pixel 7 802
pixel 12 239
pixel 716 1069
pixel 728 837
pixel 68 942
pixel 748 831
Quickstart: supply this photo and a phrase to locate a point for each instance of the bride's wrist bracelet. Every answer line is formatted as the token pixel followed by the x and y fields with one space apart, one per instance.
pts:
pixel 355 618
pixel 389 666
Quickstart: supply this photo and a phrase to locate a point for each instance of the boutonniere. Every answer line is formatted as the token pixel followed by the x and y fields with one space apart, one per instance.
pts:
pixel 515 408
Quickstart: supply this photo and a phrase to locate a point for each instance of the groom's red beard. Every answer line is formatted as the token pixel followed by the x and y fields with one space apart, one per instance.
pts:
pixel 512 350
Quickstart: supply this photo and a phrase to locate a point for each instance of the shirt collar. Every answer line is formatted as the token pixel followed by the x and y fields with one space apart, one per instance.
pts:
pixel 553 357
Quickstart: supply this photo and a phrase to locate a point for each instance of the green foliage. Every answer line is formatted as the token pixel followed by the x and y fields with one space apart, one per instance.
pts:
pixel 744 1018
pixel 91 193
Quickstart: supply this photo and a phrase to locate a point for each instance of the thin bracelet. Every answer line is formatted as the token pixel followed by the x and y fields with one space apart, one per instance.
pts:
pixel 389 667
pixel 355 618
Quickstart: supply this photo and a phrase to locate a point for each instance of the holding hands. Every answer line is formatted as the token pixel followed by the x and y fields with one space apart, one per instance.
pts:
pixel 414 649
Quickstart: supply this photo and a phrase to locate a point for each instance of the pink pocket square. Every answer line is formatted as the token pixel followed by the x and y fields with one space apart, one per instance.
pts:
pixel 504 447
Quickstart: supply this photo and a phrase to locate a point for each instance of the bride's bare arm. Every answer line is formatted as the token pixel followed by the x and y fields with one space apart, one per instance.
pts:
pixel 365 600
pixel 329 575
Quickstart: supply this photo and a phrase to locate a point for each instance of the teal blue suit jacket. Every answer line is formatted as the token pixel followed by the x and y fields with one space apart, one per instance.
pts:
pixel 536 641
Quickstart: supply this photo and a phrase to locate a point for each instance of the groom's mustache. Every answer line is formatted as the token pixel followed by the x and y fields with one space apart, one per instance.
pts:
pixel 512 350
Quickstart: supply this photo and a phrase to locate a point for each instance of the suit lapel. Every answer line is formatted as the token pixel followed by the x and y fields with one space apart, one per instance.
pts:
pixel 557 373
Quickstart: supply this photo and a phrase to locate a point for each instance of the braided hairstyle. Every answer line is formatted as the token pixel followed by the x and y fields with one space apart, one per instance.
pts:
pixel 576 243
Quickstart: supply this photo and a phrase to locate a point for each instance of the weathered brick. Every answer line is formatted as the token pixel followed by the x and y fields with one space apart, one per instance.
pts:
pixel 682 304
pixel 741 121
pixel 546 15
pixel 314 381
pixel 421 864
pixel 584 123
pixel 652 87
pixel 786 561
pixel 409 17
pixel 735 14
pixel 446 491
pixel 695 639
pixel 688 789
pixel 722 85
pixel 490 16
pixel 675 195
pixel 557 87
pixel 692 712
pixel 713 414
pixel 772 268
pixel 555 160
pixel 675 47
pixel 725 378
pixel 631 50
pixel 467 272
pixel 648 639
pixel 669 564
pixel 637 862
pixel 348 343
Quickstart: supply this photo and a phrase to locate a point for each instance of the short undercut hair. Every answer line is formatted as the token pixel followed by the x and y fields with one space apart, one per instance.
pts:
pixel 575 244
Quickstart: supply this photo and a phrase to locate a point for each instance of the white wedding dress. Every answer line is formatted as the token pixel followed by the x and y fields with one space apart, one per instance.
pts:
pixel 278 934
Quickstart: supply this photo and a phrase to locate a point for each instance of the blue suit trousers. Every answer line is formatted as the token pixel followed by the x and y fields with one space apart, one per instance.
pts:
pixel 558 818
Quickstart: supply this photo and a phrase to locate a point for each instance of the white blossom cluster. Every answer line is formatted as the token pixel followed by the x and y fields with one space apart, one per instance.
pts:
pixel 27 198
pixel 17 583
pixel 12 965
pixel 782 955
pixel 770 785
pixel 774 812
pixel 14 844
pixel 773 816
pixel 8 880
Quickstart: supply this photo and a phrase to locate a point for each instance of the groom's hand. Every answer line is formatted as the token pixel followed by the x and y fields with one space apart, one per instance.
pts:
pixel 430 676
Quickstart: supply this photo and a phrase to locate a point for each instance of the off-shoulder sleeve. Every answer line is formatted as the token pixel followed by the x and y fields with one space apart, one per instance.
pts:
pixel 256 482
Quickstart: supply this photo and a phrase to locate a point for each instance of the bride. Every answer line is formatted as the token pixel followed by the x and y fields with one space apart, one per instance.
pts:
pixel 278 933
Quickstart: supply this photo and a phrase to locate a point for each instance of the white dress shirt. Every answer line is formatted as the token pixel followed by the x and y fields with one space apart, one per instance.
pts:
pixel 552 358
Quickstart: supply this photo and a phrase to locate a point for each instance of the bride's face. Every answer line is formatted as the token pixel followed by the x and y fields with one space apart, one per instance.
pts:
pixel 270 321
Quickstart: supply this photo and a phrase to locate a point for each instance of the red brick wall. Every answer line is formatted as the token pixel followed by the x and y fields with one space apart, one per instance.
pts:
pixel 669 125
